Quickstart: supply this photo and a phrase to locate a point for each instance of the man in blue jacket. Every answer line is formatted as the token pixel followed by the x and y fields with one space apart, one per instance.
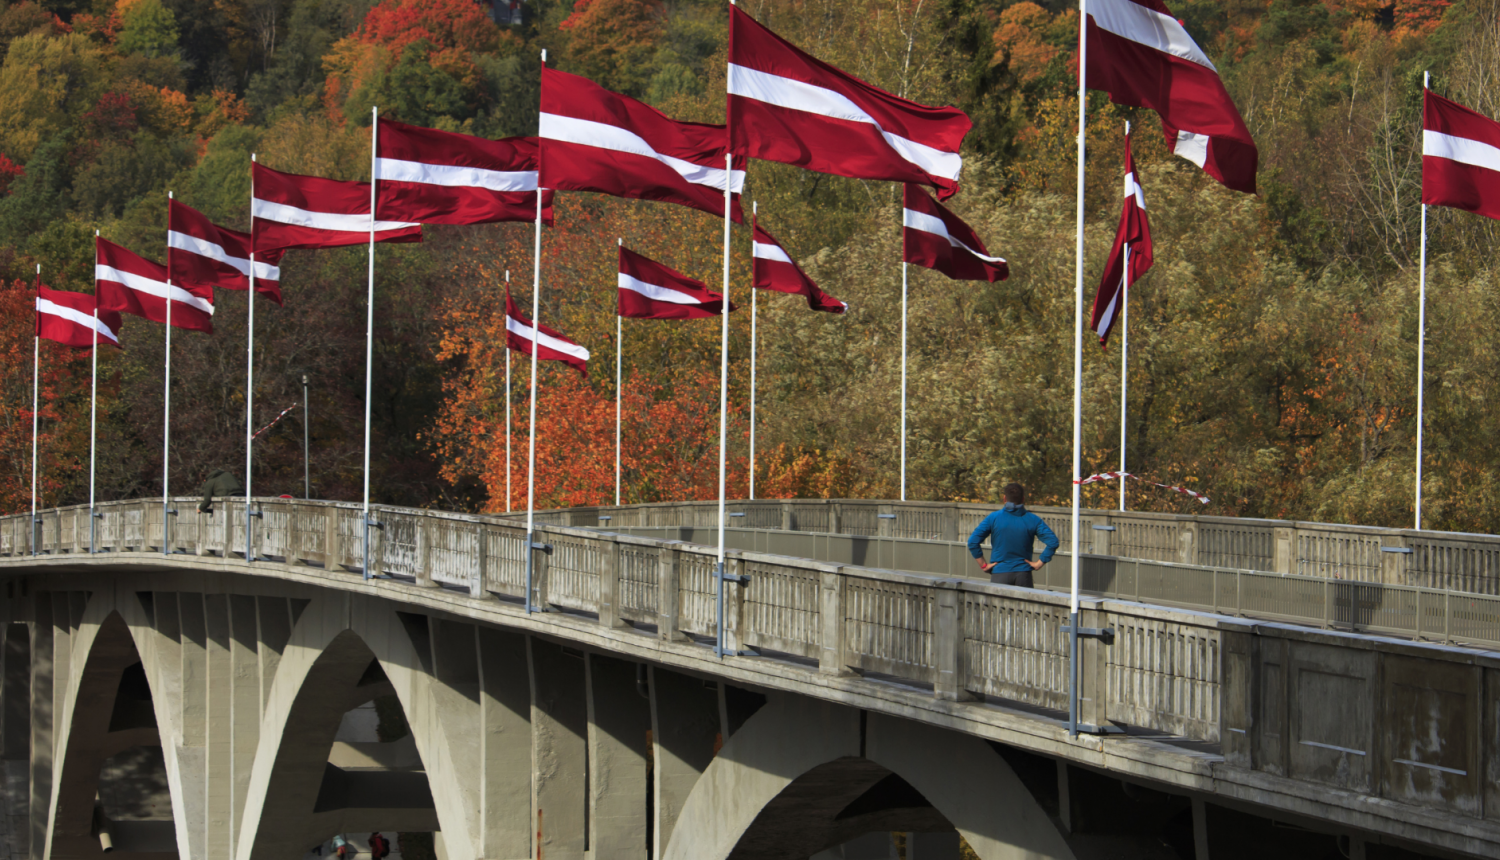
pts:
pixel 1012 531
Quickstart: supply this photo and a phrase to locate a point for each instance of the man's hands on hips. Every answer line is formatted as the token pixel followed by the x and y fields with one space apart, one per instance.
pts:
pixel 1035 565
pixel 983 566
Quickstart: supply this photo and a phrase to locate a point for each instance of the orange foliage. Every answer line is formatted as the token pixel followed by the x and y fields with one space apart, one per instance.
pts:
pixel 1020 38
pixel 461 24
pixel 1420 17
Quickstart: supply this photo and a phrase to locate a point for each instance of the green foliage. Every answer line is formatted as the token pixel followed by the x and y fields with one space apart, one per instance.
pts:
pixel 422 95
pixel 40 196
pixel 150 30
pixel 124 172
pixel 220 183
pixel 46 82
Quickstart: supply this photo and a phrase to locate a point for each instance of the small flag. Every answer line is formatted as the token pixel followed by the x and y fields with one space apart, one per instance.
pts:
pixel 1135 232
pixel 1460 157
pixel 68 318
pixel 772 268
pixel 596 140
pixel 932 236
pixel 1142 56
pixel 786 106
pixel 442 177
pixel 551 344
pixel 292 211
pixel 201 252
pixel 650 291
pixel 126 282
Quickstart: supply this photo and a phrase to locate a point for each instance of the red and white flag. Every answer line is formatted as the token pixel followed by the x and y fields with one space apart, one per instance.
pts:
pixel 596 140
pixel 68 318
pixel 772 268
pixel 1135 233
pixel 1142 56
pixel 1460 157
pixel 201 252
pixel 293 211
pixel 786 106
pixel 125 282
pixel 650 291
pixel 442 177
pixel 932 236
pixel 551 344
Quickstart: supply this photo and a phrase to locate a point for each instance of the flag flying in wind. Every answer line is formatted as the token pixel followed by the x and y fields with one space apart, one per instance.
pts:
pixel 1460 157
pixel 125 282
pixel 551 344
pixel 68 318
pixel 292 211
pixel 1134 232
pixel 596 140
pixel 932 236
pixel 442 177
pixel 203 253
pixel 1142 56
pixel 772 268
pixel 786 106
pixel 650 291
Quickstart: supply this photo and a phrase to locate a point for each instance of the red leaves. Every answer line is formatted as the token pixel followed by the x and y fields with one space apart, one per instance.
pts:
pixel 394 24
pixel 9 173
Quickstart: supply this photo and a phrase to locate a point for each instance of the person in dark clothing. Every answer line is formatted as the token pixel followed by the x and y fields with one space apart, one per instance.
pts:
pixel 1012 532
pixel 379 847
pixel 221 482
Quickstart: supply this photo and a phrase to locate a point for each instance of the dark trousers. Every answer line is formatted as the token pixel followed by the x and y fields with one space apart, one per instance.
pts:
pixel 1021 578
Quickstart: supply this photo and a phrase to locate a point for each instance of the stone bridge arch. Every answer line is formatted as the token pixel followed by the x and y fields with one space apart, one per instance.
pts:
pixel 798 758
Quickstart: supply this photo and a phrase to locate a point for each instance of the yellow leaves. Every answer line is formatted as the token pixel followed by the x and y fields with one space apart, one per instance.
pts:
pixel 1019 39
pixel 318 146
pixel 162 109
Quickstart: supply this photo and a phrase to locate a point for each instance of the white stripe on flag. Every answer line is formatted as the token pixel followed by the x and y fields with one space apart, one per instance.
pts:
pixel 798 95
pixel 934 225
pixel 764 251
pixel 204 248
pixel 1464 150
pixel 75 316
pixel 569 129
pixel 1107 318
pixel 455 176
pixel 656 291
pixel 333 221
pixel 1130 20
pixel 547 340
pixel 1133 189
pixel 142 284
pixel 1192 146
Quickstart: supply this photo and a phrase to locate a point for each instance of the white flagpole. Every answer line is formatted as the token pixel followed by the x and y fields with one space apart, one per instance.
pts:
pixel 724 393
pixel 166 420
pixel 1124 349
pixel 36 363
pixel 94 396
pixel 369 566
pixel 1421 339
pixel 249 384
pixel 619 350
pixel 536 312
pixel 1074 476
pixel 507 407
pixel 754 210
pixel 904 267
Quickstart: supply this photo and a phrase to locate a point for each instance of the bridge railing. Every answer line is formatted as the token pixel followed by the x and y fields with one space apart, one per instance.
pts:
pixel 1442 560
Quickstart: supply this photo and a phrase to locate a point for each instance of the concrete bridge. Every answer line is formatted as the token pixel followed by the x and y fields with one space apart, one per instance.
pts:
pixel 169 696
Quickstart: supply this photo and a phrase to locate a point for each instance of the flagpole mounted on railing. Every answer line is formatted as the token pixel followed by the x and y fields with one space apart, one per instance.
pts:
pixel 370 566
pixel 754 311
pixel 721 574
pixel 1421 339
pixel 619 351
pixel 166 419
pixel 249 388
pixel 1124 348
pixel 94 400
pixel 507 404
pixel 36 363
pixel 536 334
pixel 1077 471
pixel 904 267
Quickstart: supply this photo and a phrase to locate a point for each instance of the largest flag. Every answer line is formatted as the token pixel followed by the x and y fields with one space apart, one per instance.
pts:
pixel 787 106
pixel 1141 55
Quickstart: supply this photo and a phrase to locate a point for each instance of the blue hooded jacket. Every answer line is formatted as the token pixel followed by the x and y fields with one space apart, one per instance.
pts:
pixel 1012 530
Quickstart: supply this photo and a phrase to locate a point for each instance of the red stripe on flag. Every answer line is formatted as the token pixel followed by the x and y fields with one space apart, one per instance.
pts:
pixel 442 177
pixel 134 285
pixel 772 268
pixel 1452 132
pixel 203 253
pixel 68 319
pixel 649 290
pixel 294 211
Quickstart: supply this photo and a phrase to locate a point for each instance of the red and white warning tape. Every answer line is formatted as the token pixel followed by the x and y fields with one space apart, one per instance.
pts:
pixel 1112 476
pixel 274 422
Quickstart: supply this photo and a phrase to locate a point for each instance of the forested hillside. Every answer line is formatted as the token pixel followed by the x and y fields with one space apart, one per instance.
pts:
pixel 1273 343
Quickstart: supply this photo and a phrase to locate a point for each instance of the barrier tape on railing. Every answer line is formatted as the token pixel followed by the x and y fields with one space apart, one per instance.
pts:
pixel 1111 476
pixel 274 422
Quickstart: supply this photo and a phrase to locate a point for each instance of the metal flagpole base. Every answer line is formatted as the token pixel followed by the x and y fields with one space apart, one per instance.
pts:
pixel 369 571
pixel 720 650
pixel 1075 632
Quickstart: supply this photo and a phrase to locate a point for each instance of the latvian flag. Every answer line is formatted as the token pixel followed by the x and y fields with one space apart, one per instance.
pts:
pixel 201 252
pixel 292 211
pixel 932 236
pixel 1135 233
pixel 786 106
pixel 772 268
pixel 68 318
pixel 125 282
pixel 441 177
pixel 650 291
pixel 551 344
pixel 1142 56
pixel 596 140
pixel 1460 157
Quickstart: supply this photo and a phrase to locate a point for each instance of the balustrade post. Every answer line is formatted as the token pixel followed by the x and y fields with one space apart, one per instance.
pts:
pixel 1187 546
pixel 950 676
pixel 1286 550
pixel 294 529
pixel 609 583
pixel 541 570
pixel 1103 528
pixel 734 606
pixel 885 520
pixel 1394 564
pixel 786 516
pixel 833 649
pixel 333 547
pixel 78 532
pixel 479 580
pixel 1093 668
pixel 374 553
pixel 668 601
pixel 424 551
pixel 835 518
